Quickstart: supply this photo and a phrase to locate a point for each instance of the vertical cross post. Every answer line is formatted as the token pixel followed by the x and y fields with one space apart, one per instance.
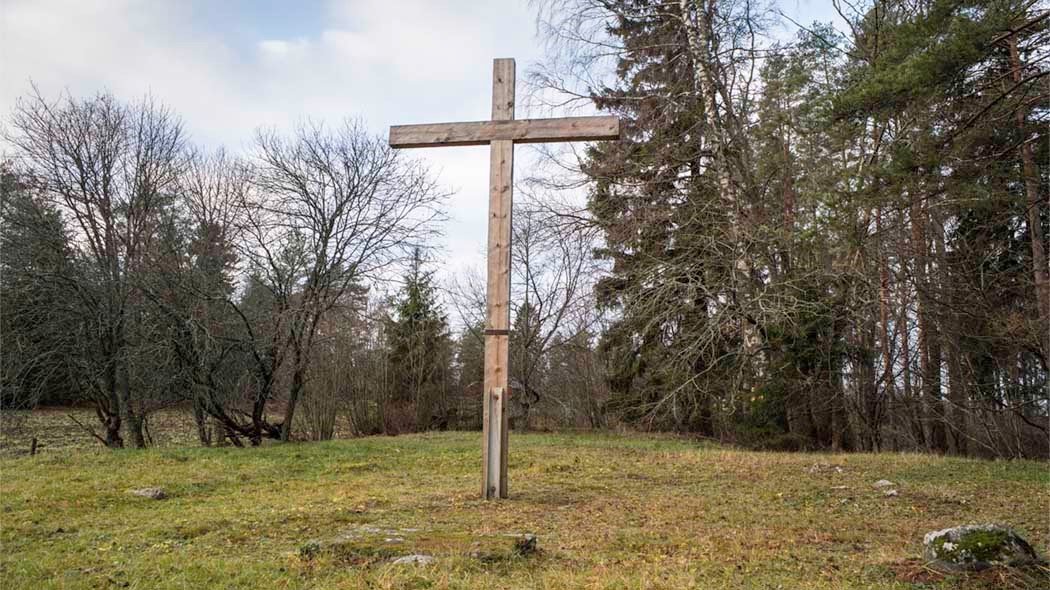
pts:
pixel 497 316
pixel 500 133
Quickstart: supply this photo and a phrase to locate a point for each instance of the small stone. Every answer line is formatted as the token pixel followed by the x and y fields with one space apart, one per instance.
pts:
pixel 393 540
pixel 891 494
pixel 825 467
pixel 309 550
pixel 526 544
pixel 882 483
pixel 976 547
pixel 151 493
pixel 416 559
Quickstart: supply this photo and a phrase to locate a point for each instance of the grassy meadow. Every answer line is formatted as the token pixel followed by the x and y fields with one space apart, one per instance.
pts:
pixel 610 511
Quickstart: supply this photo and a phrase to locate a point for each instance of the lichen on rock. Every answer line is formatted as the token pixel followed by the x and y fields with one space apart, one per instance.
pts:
pixel 976 547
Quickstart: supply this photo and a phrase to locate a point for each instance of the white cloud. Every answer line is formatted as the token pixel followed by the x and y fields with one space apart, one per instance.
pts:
pixel 410 61
pixel 281 49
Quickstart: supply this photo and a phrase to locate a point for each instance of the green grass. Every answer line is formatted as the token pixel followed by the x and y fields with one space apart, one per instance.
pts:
pixel 610 512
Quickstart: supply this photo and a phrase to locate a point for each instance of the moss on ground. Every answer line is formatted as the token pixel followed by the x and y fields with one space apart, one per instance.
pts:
pixel 610 512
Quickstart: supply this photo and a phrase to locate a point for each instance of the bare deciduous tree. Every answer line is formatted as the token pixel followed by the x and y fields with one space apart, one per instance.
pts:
pixel 331 208
pixel 111 167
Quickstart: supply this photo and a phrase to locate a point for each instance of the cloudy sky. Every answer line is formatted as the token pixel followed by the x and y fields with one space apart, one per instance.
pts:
pixel 230 66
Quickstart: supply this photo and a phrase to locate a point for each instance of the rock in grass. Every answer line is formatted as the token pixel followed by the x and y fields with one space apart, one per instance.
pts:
pixel 416 559
pixel 526 544
pixel 818 468
pixel 883 483
pixel 976 547
pixel 309 550
pixel 151 493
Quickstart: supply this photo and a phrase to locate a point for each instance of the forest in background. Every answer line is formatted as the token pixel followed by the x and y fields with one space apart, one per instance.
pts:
pixel 833 242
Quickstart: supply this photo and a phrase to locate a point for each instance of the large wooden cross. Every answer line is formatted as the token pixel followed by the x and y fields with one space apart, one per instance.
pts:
pixel 501 133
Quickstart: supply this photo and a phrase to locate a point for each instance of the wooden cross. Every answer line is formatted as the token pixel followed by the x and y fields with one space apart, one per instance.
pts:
pixel 501 133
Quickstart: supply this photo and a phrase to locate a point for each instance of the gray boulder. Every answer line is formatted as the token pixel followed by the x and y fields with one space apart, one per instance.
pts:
pixel 975 547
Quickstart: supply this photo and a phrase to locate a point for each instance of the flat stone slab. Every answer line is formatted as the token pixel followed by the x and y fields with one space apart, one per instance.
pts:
pixel 369 531
pixel 818 468
pixel 151 493
pixel 368 543
pixel 415 559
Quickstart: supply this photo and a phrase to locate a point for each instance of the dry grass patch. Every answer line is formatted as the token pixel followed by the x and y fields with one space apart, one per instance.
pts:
pixel 610 512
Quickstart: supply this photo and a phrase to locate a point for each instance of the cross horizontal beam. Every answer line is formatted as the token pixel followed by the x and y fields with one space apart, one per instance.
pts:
pixel 518 131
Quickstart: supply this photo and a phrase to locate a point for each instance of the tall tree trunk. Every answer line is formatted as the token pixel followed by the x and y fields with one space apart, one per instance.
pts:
pixel 954 403
pixel 958 441
pixel 906 416
pixel 1033 218
pixel 298 382
pixel 724 134
pixel 933 390
pixel 107 407
pixel 935 283
pixel 887 378
pixel 919 258
pixel 200 418
pixel 867 386
pixel 110 420
pixel 132 420
pixel 787 190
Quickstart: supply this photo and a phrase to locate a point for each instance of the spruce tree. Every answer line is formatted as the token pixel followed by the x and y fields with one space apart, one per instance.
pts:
pixel 420 348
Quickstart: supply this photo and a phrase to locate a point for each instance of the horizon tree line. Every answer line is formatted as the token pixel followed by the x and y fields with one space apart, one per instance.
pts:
pixel 833 242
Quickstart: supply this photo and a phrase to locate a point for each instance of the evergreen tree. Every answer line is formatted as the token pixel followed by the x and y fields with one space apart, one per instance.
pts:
pixel 470 373
pixel 850 252
pixel 420 348
pixel 39 317
pixel 652 200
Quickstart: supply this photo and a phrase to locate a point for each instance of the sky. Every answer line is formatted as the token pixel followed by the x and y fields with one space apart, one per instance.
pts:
pixel 229 67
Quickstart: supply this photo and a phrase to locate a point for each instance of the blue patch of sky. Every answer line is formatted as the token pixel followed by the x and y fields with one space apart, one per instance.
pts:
pixel 242 24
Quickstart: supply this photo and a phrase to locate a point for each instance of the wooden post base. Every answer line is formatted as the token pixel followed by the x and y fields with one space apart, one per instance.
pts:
pixel 495 441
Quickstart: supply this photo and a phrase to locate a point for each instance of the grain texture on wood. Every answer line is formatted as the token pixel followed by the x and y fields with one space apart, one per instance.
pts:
pixel 497 347
pixel 521 131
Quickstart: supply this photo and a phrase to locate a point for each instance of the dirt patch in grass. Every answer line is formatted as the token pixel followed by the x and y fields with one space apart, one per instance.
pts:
pixel 919 574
